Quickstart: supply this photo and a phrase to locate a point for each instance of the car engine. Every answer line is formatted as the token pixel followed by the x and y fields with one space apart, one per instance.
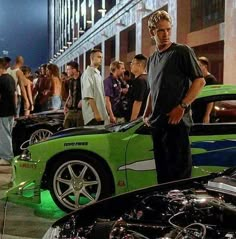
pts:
pixel 206 211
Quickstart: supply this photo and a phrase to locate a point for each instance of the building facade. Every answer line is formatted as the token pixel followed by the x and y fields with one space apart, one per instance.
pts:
pixel 119 29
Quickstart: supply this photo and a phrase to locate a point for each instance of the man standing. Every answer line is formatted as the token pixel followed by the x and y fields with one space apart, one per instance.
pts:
pixel 21 84
pixel 171 68
pixel 204 112
pixel 7 112
pixel 93 97
pixel 139 91
pixel 113 92
pixel 73 105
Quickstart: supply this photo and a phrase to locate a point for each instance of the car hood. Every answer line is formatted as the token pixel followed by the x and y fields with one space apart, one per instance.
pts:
pixel 154 211
pixel 79 131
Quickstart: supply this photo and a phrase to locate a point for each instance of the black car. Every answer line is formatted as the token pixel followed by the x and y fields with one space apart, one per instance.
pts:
pixel 36 127
pixel 203 207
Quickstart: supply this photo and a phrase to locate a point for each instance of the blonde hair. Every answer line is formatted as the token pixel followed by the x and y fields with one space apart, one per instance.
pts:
pixel 115 65
pixel 156 17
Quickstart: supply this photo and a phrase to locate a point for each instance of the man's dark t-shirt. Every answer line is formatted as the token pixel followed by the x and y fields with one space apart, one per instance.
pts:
pixel 139 92
pixel 169 75
pixel 7 96
pixel 75 91
pixel 199 108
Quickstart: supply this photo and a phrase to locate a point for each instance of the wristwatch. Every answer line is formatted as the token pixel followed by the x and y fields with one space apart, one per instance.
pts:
pixel 183 105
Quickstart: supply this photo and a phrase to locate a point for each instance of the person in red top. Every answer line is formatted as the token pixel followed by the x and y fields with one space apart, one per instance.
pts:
pixel 41 90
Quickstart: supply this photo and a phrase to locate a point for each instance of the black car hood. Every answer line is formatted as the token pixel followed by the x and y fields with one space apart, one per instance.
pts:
pixel 79 131
pixel 152 208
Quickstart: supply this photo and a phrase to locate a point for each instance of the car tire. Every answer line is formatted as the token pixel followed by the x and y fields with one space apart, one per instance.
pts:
pixel 77 181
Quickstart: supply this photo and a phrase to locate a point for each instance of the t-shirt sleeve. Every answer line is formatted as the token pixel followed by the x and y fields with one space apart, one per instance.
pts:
pixel 141 86
pixel 87 86
pixel 108 87
pixel 190 64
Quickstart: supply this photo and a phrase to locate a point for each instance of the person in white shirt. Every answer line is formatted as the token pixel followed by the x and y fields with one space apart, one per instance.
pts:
pixel 93 97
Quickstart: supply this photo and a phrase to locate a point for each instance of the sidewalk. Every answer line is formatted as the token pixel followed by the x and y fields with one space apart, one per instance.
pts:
pixel 19 221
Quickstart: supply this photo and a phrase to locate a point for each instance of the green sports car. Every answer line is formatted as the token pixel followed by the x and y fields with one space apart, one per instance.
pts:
pixel 82 165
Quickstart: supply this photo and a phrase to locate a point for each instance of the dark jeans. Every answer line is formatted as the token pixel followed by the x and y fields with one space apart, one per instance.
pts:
pixel 172 152
pixel 95 122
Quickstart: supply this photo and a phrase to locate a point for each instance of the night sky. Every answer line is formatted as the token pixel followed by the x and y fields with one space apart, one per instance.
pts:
pixel 24 30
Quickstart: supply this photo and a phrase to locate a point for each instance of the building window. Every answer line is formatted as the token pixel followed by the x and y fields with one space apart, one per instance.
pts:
pixel 110 4
pixel 132 39
pixel 206 13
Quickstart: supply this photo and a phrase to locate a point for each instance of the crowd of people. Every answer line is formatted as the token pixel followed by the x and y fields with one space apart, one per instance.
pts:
pixel 163 97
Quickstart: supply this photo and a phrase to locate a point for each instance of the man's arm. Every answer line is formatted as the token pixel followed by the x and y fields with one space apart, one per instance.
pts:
pixel 29 94
pixel 96 113
pixel 22 83
pixel 109 109
pixel 206 117
pixel 148 110
pixel 135 109
pixel 177 113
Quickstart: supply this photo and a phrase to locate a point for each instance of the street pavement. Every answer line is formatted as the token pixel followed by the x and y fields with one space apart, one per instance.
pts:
pixel 21 220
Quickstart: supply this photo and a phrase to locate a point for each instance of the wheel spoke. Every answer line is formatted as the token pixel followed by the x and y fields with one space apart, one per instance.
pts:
pixel 82 173
pixel 72 173
pixel 77 197
pixel 66 193
pixel 90 183
pixel 86 194
pixel 65 181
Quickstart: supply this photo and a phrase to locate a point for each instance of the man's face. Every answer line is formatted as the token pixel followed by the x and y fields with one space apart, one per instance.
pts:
pixel 134 66
pixel 97 59
pixel 161 34
pixel 120 71
pixel 69 71
pixel 202 66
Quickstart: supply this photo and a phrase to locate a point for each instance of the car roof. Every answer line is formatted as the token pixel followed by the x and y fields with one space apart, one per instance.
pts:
pixel 213 90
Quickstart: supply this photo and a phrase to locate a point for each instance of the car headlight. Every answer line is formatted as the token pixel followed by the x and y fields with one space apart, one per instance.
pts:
pixel 25 156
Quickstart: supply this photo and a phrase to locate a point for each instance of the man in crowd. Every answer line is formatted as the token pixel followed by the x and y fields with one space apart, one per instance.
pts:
pixel 139 91
pixel 73 105
pixel 7 112
pixel 21 85
pixel 206 109
pixel 93 97
pixel 170 70
pixel 113 92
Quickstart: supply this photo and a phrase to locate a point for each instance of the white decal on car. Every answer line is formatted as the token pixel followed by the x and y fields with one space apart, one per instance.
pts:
pixel 140 165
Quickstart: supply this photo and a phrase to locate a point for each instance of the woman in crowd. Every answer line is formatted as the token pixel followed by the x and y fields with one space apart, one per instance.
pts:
pixel 55 91
pixel 28 87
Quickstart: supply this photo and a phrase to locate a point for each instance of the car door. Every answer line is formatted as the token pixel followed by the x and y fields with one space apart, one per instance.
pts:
pixel 214 144
pixel 140 164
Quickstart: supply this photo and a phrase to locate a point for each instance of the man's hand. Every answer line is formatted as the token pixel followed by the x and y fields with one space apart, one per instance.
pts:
pixel 97 117
pixel 176 115
pixel 113 119
pixel 65 110
pixel 146 121
pixel 26 105
pixel 31 107
pixel 206 119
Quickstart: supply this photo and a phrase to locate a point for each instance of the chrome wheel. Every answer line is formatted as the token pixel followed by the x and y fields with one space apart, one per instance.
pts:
pixel 75 184
pixel 39 135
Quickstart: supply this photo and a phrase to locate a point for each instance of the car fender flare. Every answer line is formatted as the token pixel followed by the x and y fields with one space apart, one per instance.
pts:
pixel 44 181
